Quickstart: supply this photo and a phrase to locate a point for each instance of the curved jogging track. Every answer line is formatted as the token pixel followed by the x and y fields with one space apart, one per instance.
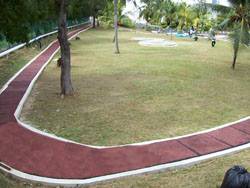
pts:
pixel 30 154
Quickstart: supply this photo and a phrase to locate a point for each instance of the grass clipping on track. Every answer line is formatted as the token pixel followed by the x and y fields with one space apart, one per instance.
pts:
pixel 142 94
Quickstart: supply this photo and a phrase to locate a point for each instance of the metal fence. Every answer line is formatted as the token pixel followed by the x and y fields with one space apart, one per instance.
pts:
pixel 40 30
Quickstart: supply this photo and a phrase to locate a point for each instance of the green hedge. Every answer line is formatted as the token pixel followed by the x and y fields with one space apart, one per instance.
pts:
pixel 40 29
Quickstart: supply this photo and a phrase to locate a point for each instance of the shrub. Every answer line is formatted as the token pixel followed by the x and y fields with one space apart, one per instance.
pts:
pixel 126 22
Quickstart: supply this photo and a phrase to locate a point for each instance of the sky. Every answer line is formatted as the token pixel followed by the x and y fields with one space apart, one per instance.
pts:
pixel 222 2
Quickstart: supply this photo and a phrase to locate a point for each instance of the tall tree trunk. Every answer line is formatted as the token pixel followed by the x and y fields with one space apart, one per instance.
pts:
pixel 171 33
pixel 66 85
pixel 236 49
pixel 93 21
pixel 97 22
pixel 237 41
pixel 117 51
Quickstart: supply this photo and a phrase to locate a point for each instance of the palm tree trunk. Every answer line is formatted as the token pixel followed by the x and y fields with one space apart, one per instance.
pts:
pixel 236 49
pixel 237 43
pixel 171 33
pixel 93 22
pixel 97 22
pixel 66 85
pixel 117 51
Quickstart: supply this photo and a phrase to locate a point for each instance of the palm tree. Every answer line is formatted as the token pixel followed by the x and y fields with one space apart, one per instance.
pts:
pixel 147 11
pixel 201 11
pixel 170 11
pixel 117 51
pixel 182 11
pixel 118 5
pixel 240 20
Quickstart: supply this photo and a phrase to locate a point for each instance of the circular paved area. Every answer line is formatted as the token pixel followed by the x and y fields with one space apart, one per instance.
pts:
pixel 154 42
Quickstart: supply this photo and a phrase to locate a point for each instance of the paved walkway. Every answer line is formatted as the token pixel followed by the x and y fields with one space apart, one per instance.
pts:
pixel 36 155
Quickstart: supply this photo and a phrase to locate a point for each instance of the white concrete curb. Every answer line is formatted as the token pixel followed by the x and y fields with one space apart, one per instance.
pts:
pixel 75 182
pixel 32 128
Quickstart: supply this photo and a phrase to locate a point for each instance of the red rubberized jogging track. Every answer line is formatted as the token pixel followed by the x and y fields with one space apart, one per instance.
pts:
pixel 39 155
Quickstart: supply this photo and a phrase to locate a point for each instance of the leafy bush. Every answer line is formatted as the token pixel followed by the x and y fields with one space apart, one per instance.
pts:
pixel 126 22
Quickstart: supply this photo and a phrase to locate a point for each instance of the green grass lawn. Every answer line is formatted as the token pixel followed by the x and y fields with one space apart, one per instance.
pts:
pixel 144 93
pixel 197 87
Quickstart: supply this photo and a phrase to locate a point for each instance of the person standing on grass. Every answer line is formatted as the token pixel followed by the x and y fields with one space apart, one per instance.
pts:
pixel 212 37
pixel 191 31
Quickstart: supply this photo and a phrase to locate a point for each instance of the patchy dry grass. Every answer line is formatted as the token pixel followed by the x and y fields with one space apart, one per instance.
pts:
pixel 142 94
pixel 9 65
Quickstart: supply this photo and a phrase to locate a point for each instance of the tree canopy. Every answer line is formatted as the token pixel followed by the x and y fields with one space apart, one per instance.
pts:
pixel 167 13
pixel 21 20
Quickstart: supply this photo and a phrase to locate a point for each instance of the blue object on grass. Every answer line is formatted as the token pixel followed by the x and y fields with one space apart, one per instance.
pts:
pixel 180 35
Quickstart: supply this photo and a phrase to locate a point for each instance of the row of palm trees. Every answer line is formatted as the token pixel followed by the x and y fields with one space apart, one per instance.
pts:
pixel 175 15
pixel 182 15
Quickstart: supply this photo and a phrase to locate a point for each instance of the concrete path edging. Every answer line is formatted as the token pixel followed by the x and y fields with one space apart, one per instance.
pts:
pixel 69 164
